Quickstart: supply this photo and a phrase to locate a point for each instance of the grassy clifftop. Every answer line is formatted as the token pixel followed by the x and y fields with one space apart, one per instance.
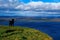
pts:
pixel 20 33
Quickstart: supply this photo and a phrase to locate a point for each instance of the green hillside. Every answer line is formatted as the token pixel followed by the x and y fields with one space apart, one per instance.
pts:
pixel 21 33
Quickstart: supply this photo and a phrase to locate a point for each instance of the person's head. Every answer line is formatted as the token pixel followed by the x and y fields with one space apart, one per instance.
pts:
pixel 12 19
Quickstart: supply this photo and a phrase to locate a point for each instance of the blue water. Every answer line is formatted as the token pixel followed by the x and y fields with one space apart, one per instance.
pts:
pixel 50 28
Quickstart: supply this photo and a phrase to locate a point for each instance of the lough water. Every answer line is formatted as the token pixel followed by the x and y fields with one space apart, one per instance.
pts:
pixel 50 28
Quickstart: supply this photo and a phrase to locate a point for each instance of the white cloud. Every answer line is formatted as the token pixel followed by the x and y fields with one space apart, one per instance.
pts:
pixel 9 3
pixel 40 6
pixel 31 5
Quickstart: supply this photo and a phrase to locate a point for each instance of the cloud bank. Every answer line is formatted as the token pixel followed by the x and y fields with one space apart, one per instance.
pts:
pixel 32 8
pixel 39 6
pixel 31 5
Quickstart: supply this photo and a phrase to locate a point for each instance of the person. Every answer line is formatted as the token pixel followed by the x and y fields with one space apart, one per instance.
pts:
pixel 11 22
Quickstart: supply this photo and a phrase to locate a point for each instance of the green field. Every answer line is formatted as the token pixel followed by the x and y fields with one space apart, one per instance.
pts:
pixel 21 33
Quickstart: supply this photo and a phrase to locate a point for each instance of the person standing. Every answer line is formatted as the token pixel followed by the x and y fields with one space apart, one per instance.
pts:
pixel 11 22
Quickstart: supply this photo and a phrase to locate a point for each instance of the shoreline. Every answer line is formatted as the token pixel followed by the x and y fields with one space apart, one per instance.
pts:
pixel 32 20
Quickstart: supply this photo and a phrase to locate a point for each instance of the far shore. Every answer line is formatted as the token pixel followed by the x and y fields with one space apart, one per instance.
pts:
pixel 32 20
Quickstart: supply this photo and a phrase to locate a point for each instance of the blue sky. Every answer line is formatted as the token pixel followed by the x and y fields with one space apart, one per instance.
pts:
pixel 33 7
pixel 26 1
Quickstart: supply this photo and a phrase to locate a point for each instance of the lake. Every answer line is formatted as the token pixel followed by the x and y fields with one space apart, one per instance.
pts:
pixel 50 28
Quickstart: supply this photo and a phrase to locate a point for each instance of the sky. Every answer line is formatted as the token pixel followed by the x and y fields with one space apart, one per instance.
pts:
pixel 31 4
pixel 31 7
pixel 27 1
pixel 40 5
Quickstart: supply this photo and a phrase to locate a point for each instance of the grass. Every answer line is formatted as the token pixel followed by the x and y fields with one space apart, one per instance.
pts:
pixel 21 33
